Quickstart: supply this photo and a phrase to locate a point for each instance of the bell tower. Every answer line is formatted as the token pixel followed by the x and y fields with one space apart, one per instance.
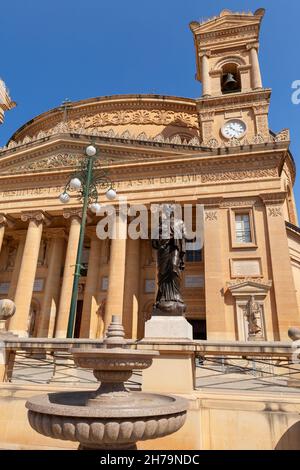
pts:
pixel 234 106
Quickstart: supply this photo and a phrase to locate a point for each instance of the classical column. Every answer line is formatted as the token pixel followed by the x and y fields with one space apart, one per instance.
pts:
pixel 2 229
pixel 205 74
pixel 52 286
pixel 283 282
pixel 20 235
pixel 68 276
pixel 131 291
pixel 214 276
pixel 24 289
pixel 115 294
pixel 5 221
pixel 256 76
pixel 89 317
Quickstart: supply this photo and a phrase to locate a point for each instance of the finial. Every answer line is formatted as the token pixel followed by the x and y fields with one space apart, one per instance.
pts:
pixel 115 334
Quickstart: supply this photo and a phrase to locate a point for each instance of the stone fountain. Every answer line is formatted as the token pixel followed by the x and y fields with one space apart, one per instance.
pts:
pixel 112 417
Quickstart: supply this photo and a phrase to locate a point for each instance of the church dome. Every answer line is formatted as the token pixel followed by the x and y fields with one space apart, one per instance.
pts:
pixel 136 116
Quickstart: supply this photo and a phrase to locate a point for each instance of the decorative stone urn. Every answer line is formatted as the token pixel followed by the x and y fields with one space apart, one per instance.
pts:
pixel 7 310
pixel 111 417
pixel 294 333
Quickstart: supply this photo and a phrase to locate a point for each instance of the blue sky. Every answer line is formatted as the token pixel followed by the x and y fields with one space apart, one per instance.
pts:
pixel 52 50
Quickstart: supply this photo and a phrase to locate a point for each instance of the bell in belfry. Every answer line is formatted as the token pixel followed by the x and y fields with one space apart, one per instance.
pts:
pixel 230 82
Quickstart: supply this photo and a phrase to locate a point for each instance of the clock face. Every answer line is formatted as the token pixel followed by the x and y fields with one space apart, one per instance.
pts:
pixel 235 128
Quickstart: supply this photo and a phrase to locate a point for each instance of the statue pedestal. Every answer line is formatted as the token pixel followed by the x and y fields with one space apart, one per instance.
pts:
pixel 172 336
pixel 168 327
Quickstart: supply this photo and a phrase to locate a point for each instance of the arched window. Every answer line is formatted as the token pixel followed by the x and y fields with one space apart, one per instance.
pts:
pixel 230 79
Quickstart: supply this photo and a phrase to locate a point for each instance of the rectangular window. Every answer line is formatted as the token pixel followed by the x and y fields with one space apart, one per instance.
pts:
pixel 193 252
pixel 242 228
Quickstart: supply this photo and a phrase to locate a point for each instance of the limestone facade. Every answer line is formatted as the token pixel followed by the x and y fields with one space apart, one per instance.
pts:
pixel 159 149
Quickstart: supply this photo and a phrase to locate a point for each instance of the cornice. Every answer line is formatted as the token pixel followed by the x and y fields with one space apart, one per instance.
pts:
pixel 276 198
pixel 222 169
pixel 253 98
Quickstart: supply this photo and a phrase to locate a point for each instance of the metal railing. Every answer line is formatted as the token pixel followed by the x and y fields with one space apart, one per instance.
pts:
pixel 222 364
pixel 247 373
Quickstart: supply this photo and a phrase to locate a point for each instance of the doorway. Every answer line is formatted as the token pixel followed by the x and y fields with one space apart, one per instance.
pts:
pixel 199 328
pixel 78 318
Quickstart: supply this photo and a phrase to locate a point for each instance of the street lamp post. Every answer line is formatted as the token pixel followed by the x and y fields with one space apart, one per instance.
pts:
pixel 86 182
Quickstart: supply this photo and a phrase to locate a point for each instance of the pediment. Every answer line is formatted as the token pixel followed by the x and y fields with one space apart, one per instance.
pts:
pixel 228 22
pixel 57 161
pixel 246 288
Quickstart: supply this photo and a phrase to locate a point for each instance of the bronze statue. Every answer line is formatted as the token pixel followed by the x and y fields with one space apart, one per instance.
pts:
pixel 171 250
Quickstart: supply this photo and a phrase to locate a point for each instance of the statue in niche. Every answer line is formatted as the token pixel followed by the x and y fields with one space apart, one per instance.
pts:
pixel 11 257
pixel 42 259
pixel 170 244
pixel 253 313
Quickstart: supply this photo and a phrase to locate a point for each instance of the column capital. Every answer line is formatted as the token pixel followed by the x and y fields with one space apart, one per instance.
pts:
pixel 252 45
pixel 36 216
pixel 72 213
pixel 6 221
pixel 204 53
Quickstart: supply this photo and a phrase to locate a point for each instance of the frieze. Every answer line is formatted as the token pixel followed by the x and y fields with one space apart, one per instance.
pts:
pixel 234 175
pixel 141 116
pixel 239 203
pixel 201 175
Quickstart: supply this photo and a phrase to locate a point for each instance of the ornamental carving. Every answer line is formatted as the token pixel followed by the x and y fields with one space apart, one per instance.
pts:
pixel 283 136
pixel 238 203
pixel 234 142
pixel 234 175
pixel 64 128
pixel 54 161
pixel 262 124
pixel 212 143
pixel 35 216
pixel 261 109
pixel 258 139
pixel 141 116
pixel 211 216
pixel 275 211
pixel 207 116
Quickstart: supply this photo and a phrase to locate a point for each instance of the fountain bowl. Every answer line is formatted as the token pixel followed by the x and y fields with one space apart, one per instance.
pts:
pixel 111 417
pixel 109 426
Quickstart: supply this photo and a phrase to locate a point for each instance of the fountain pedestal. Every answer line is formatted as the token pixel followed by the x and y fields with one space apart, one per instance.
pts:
pixel 110 417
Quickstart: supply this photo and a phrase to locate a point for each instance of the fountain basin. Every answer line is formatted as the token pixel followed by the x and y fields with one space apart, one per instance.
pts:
pixel 115 424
